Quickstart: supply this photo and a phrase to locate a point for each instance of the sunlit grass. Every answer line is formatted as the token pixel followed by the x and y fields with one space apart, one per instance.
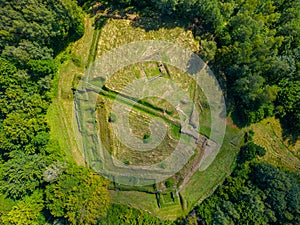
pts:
pixel 268 134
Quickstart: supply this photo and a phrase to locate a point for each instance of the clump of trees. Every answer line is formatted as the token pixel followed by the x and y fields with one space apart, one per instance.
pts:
pixel 79 195
pixel 31 34
pixel 38 29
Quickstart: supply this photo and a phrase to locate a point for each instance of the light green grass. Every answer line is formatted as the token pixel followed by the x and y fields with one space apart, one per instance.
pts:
pixel 139 124
pixel 140 200
pixel 116 33
pixel 279 152
pixel 54 119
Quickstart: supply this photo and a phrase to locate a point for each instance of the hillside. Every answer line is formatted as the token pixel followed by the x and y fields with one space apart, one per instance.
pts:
pixel 149 112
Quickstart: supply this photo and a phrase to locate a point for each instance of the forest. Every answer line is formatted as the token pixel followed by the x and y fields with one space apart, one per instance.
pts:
pixel 253 46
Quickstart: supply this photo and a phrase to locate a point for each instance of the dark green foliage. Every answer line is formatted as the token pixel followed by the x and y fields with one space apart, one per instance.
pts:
pixel 8 74
pixel 282 191
pixel 31 33
pixel 249 151
pixel 208 50
pixel 22 110
pixel 22 174
pixel 244 201
pixel 253 58
pixel 146 138
pixel 41 68
pixel 36 30
pixel 26 51
pixel 288 101
pixel 169 183
pixel 41 140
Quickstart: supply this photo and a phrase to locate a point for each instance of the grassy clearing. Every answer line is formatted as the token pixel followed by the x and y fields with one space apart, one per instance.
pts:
pixel 201 185
pixel 135 199
pixel 268 134
pixel 113 34
pixel 119 32
pixel 120 82
pixel 146 110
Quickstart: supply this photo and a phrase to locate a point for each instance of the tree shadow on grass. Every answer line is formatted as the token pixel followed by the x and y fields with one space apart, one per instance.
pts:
pixel 289 132
pixel 150 20
pixel 145 18
pixel 237 117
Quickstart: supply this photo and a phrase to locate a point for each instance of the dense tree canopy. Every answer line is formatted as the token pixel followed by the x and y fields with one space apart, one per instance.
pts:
pixel 31 34
pixel 27 211
pixel 35 29
pixel 22 174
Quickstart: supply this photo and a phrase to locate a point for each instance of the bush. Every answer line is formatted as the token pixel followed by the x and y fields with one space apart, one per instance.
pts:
pixel 146 138
pixel 112 118
pixel 169 183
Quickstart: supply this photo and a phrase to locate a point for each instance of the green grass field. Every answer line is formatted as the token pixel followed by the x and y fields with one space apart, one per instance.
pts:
pixel 203 183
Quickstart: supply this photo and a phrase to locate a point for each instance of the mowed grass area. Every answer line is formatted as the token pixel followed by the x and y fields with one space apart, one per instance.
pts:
pixel 118 32
pixel 279 152
pixel 200 186
pixel 60 114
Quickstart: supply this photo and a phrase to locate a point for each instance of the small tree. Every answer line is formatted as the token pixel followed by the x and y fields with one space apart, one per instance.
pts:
pixel 249 151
